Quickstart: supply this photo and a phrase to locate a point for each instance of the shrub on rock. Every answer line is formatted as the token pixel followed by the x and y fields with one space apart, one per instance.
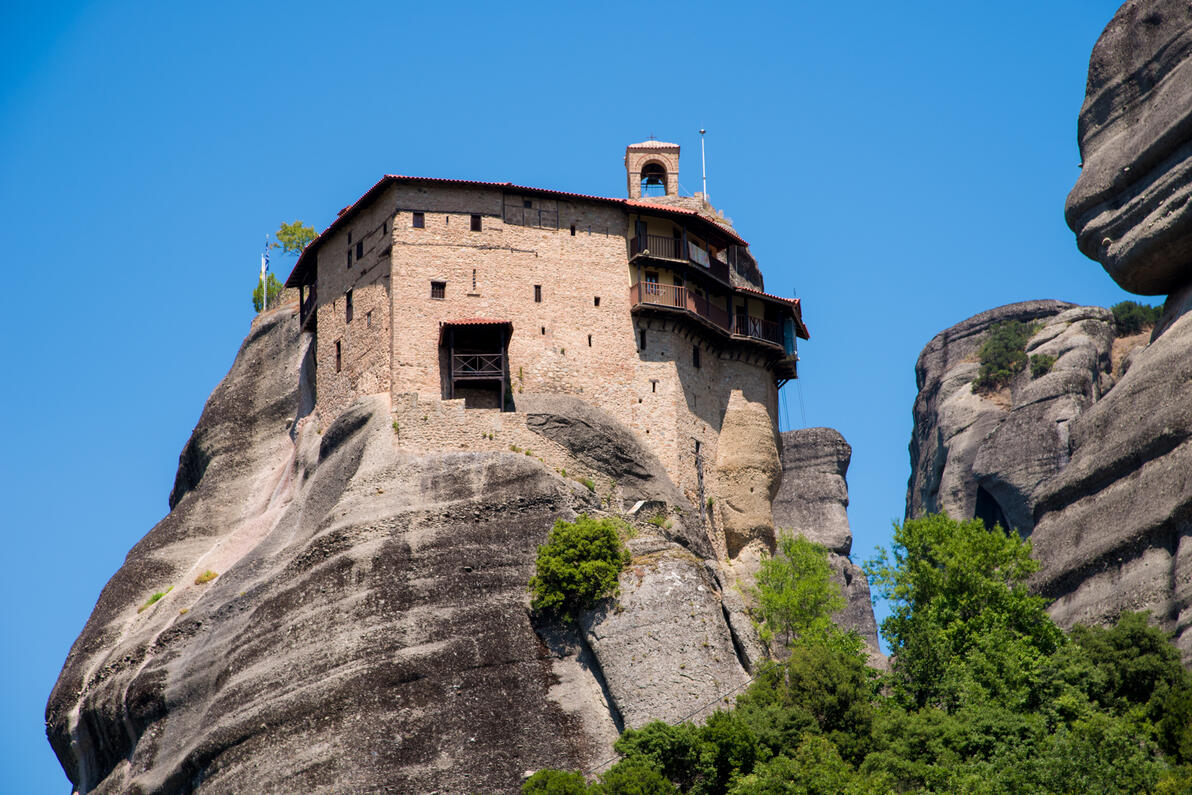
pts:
pixel 577 566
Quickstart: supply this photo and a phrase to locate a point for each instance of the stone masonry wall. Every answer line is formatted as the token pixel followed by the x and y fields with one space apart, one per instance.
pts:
pixel 565 343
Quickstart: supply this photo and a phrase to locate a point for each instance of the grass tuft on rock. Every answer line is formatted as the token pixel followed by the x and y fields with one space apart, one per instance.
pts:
pixel 154 599
pixel 206 577
pixel 1041 364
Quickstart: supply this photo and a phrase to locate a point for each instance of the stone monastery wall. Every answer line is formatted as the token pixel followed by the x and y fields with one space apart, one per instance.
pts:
pixel 579 338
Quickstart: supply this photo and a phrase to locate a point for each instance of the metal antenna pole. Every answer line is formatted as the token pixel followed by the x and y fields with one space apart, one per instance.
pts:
pixel 703 163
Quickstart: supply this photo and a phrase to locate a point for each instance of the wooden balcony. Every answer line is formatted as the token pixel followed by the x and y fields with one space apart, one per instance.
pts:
pixel 679 249
pixel 758 329
pixel 477 366
pixel 680 299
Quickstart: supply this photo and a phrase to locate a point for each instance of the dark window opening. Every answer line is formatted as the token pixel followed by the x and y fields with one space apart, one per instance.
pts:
pixel 348 307
pixel 697 447
pixel 438 289
pixel 384 227
pixel 368 318
pixel 419 220
pixel 596 301
pixel 544 330
pixel 475 223
pixel 589 340
pixel 349 258
pixel 527 203
pixel 642 339
pixel 473 280
pixel 695 356
pixel 349 237
pixel 339 357
pixel 538 293
pixel 360 250
pixel 653 387
pixel 573 230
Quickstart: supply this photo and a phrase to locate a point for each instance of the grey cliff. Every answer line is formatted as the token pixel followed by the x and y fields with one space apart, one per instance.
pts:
pixel 813 501
pixel 369 627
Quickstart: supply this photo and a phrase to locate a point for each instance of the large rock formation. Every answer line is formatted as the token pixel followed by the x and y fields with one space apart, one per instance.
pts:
pixel 369 625
pixel 986 454
pixel 812 501
pixel 1092 459
pixel 1130 207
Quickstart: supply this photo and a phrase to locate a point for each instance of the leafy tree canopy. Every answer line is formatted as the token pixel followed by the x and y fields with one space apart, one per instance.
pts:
pixel 292 238
pixel 1131 317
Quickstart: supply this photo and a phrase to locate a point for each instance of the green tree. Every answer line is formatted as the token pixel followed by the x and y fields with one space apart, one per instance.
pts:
pixel 293 238
pixel 555 782
pixel 962 625
pixel 795 592
pixel 1131 317
pixel 578 565
pixel 274 288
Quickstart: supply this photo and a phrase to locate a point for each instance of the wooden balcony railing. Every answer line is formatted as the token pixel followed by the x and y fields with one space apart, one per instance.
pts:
pixel 658 246
pixel 668 295
pixel 477 366
pixel 758 329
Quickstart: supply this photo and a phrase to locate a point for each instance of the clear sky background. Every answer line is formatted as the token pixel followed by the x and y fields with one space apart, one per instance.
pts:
pixel 902 166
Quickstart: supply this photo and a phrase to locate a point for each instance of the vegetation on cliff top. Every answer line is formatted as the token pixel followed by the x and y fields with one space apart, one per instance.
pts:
pixel 1003 354
pixel 1131 317
pixel 985 695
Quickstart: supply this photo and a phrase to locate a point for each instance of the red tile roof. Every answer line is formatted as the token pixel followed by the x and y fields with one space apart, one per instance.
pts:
pixel 305 259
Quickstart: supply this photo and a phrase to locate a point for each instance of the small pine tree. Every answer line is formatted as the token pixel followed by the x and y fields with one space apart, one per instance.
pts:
pixel 275 290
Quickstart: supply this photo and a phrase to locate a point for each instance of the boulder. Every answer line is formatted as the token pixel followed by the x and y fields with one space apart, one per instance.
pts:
pixel 1130 208
pixel 812 501
pixel 663 646
pixel 748 472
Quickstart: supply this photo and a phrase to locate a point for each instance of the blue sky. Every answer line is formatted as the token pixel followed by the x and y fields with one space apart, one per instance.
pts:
pixel 898 166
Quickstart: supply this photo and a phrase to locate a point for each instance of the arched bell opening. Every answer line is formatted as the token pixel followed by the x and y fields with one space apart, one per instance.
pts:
pixel 653 179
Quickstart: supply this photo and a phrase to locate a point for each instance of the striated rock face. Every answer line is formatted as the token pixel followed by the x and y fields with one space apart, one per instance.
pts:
pixel 748 474
pixel 1093 468
pixel 369 627
pixel 812 501
pixel 1114 528
pixel 1130 208
pixel 962 461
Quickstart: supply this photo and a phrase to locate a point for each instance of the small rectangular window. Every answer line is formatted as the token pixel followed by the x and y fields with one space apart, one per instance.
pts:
pixel 543 329
pixel 527 203
pixel 596 300
pixel 538 293
pixel 360 250
pixel 695 356
pixel 573 230
pixel 475 223
pixel 641 344
pixel 368 318
pixel 348 307
pixel 349 258
pixel 419 220
pixel 589 340
pixel 384 227
pixel 349 237
pixel 438 289
pixel 473 280
pixel 339 358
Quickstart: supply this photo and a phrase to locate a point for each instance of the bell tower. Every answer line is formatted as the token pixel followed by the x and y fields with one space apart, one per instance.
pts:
pixel 652 169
